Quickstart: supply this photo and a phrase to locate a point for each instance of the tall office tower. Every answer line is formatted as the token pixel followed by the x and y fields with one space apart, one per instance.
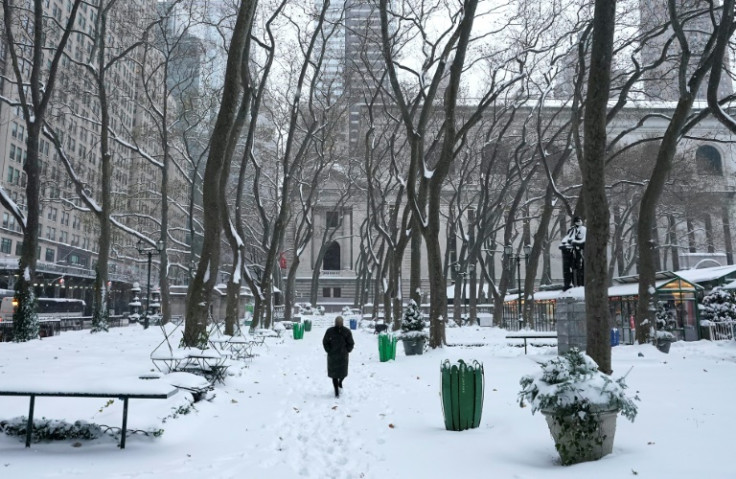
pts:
pixel 364 61
pixel 695 17
pixel 354 65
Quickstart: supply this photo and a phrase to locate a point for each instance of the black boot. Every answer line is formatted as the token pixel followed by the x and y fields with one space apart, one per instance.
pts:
pixel 339 383
pixel 335 384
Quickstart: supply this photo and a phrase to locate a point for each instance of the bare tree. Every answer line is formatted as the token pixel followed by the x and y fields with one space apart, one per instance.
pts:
pixel 200 288
pixel 35 44
pixel 696 59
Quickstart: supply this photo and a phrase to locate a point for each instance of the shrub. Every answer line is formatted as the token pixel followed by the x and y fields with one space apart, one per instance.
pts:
pixel 412 324
pixel 571 390
pixel 718 306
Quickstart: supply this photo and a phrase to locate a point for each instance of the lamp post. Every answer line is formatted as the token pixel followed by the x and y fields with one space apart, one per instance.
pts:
pixel 508 251
pixel 150 252
pixel 469 269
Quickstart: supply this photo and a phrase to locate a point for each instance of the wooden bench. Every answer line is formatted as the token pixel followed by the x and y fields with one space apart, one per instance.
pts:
pixel 135 389
pixel 531 335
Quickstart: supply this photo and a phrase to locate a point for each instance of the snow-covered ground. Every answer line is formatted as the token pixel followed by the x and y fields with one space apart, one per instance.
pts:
pixel 278 417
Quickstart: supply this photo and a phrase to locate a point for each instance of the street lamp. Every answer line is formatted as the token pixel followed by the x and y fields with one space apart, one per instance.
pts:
pixel 470 268
pixel 150 252
pixel 508 251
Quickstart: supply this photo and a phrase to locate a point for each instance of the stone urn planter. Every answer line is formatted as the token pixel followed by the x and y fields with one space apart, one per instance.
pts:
pixel 414 345
pixel 580 404
pixel 582 439
pixel 663 345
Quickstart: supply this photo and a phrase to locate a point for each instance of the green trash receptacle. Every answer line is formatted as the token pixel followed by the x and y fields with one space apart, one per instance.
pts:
pixel 307 325
pixel 387 347
pixel 462 394
pixel 297 330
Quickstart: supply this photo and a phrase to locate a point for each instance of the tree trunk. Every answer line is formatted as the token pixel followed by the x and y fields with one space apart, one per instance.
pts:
pixel 232 306
pixel 592 166
pixel 672 235
pixel 647 208
pixel 290 288
pixel 200 289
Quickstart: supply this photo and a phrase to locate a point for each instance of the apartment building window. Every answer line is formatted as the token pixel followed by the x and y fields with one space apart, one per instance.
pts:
pixel 50 255
pixel 52 214
pixel 6 245
pixel 12 152
pixel 75 240
pixel 65 218
pixel 336 292
pixel 14 130
pixel 51 233
pixel 326 292
pixel 18 248
pixel 13 175
pixel 63 236
pixel 6 220
pixel 75 223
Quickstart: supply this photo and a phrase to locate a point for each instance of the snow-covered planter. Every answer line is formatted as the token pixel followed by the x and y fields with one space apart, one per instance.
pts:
pixel 412 330
pixel 664 335
pixel 580 404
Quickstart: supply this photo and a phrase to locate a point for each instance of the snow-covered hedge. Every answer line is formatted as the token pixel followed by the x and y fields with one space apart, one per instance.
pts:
pixel 51 429
pixel 718 306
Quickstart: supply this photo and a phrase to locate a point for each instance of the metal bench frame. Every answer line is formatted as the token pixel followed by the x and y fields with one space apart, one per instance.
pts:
pixel 124 396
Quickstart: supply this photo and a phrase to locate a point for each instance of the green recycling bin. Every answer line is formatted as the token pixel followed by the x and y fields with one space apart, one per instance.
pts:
pixel 307 325
pixel 387 347
pixel 298 331
pixel 462 394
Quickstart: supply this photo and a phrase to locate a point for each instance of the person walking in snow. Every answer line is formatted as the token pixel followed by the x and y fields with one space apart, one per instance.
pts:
pixel 338 343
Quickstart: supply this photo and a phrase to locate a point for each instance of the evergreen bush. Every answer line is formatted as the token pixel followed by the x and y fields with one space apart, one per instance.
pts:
pixel 412 324
pixel 718 306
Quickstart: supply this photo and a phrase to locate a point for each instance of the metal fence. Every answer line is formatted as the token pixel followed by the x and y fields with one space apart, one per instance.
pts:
pixel 716 331
pixel 543 316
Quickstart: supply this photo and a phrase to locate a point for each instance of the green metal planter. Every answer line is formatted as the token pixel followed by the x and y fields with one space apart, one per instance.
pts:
pixel 297 330
pixel 307 325
pixel 387 347
pixel 462 394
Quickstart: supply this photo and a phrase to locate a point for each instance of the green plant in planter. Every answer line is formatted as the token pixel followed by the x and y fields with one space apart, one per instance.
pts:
pixel 580 404
pixel 412 330
pixel 666 324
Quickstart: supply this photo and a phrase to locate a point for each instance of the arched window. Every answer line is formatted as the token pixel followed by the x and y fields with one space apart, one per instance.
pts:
pixel 331 261
pixel 708 161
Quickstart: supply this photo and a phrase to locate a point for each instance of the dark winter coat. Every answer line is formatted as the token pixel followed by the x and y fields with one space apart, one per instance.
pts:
pixel 338 342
